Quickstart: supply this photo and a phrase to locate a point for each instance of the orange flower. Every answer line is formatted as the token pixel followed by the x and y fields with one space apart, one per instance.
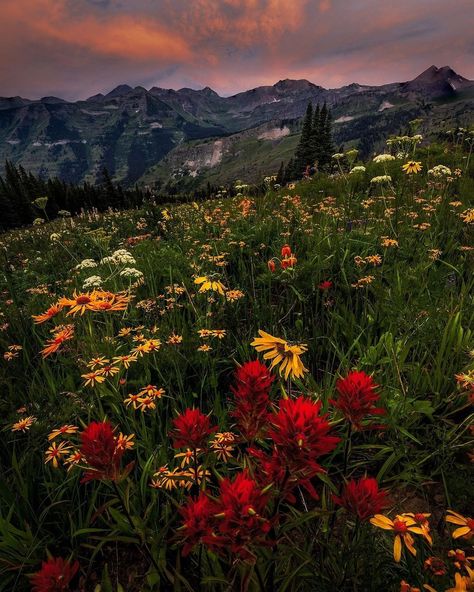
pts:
pixel 93 378
pixel 24 424
pixel 126 360
pixel 108 370
pixel 49 314
pixel 151 391
pixel 55 452
pixel 79 303
pixel 97 300
pixel 61 335
pixel 65 429
pixel 422 521
pixel 145 403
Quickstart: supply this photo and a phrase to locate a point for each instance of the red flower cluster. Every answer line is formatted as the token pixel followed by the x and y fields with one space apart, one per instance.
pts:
pixel 55 575
pixel 288 259
pixel 251 391
pixel 363 498
pixel 234 522
pixel 357 398
pixel 191 429
pixel 300 436
pixel 198 516
pixel 100 450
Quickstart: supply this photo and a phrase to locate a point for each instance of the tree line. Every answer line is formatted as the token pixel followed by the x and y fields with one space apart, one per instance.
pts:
pixel 22 197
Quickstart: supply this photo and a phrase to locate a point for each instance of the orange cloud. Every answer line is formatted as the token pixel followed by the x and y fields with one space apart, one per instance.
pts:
pixel 75 47
pixel 124 36
pixel 324 5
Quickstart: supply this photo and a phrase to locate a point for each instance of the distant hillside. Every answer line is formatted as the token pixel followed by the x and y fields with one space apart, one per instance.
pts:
pixel 161 136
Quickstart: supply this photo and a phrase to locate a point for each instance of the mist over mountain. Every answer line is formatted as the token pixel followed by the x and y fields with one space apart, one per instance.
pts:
pixel 162 136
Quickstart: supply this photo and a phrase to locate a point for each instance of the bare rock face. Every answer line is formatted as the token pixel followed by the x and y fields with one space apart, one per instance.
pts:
pixel 436 82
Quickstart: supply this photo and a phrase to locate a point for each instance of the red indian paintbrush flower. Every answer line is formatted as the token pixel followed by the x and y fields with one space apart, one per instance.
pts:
pixel 55 575
pixel 198 522
pixel 191 429
pixel 100 450
pixel 326 285
pixel 253 382
pixel 240 520
pixel 300 434
pixel 357 397
pixel 363 498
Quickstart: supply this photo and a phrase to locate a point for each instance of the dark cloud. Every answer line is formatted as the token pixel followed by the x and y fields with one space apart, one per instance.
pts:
pixel 75 48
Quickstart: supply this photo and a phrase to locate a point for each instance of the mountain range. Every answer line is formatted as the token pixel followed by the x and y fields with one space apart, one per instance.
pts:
pixel 163 137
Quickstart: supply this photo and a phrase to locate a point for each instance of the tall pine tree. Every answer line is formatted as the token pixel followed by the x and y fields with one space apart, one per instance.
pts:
pixel 303 154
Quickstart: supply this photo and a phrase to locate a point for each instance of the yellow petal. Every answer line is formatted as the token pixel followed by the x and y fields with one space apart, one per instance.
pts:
pixel 382 522
pixel 456 518
pixel 409 544
pixel 459 532
pixel 397 549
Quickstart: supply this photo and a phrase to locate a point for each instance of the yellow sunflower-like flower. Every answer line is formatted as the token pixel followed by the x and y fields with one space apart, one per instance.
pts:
pixel 281 352
pixel 402 526
pixel 412 167
pixel 466 525
pixel 209 285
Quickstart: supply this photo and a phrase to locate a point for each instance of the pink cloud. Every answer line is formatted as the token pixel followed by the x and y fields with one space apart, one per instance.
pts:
pixel 78 47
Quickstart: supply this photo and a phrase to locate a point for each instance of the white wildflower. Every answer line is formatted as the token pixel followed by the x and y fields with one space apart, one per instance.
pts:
pixel 381 179
pixel 132 273
pixel 357 169
pixel 86 264
pixel 383 158
pixel 94 281
pixel 439 170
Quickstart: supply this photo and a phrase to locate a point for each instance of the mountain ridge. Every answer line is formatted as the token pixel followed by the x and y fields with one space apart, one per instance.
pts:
pixel 131 130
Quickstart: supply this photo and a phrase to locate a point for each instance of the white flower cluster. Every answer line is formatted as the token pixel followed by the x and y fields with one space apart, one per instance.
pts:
pixel 86 264
pixel 440 170
pixel 119 257
pixel 381 179
pixel 357 169
pixel 383 158
pixel 55 237
pixel 338 156
pixel 94 281
pixel 132 273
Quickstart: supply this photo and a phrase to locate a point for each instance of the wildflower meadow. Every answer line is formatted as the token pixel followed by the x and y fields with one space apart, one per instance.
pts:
pixel 251 393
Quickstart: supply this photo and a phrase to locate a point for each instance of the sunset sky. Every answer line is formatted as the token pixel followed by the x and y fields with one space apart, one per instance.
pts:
pixel 76 48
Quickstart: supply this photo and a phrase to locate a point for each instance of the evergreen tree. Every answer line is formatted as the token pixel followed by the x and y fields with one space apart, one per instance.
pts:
pixel 315 134
pixel 290 173
pixel 303 154
pixel 327 148
pixel 17 194
pixel 280 178
pixel 8 218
